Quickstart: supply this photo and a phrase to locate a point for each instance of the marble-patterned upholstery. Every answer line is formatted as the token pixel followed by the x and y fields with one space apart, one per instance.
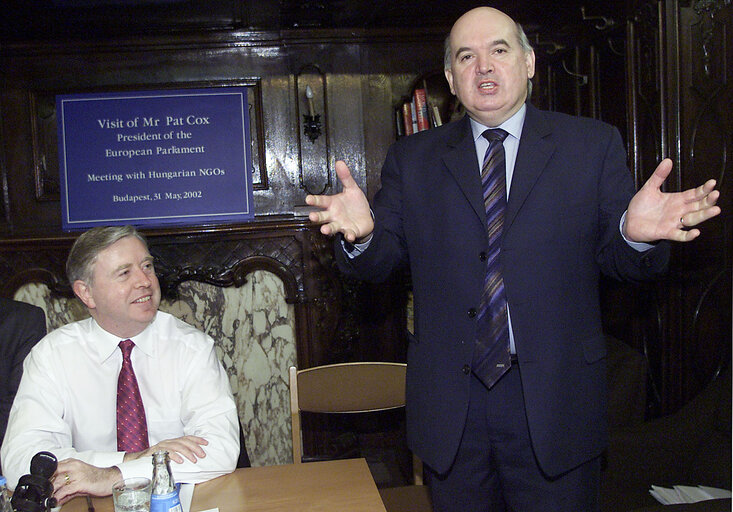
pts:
pixel 59 310
pixel 254 331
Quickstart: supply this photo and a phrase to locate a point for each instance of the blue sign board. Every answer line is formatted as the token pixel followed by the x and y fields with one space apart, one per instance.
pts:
pixel 155 158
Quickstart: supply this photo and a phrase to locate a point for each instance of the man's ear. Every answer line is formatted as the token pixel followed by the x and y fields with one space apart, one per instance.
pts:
pixel 84 292
pixel 449 76
pixel 530 61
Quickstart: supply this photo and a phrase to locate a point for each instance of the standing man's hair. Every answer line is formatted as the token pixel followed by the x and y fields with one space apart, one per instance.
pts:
pixel 87 247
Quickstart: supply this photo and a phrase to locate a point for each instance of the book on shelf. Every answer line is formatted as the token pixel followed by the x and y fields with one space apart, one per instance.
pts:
pixel 413 112
pixel 417 112
pixel 399 125
pixel 420 101
pixel 434 118
pixel 407 118
pixel 437 121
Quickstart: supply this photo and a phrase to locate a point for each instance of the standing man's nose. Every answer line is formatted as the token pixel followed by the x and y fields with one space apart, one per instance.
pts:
pixel 484 64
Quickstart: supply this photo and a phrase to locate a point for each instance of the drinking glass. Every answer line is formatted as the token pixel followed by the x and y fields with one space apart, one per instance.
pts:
pixel 132 495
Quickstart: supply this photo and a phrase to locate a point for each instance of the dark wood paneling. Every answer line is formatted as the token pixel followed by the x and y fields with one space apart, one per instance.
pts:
pixel 706 151
pixel 348 62
pixel 660 75
pixel 680 103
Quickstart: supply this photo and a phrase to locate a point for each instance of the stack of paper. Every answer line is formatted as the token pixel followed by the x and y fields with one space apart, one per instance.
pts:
pixel 686 494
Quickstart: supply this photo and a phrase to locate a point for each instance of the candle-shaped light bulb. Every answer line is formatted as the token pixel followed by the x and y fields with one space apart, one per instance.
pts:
pixel 309 96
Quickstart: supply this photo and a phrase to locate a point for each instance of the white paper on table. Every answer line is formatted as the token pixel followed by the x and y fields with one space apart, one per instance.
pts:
pixel 185 495
pixel 664 495
pixel 716 493
pixel 692 494
pixel 686 494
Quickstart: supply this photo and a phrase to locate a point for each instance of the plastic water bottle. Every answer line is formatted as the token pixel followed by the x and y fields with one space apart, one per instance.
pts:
pixel 164 495
pixel 5 505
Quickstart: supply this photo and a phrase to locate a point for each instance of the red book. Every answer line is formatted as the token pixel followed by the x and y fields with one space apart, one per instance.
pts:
pixel 421 109
pixel 407 117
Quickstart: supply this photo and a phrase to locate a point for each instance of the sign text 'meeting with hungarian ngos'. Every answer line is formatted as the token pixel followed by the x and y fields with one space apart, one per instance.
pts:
pixel 155 157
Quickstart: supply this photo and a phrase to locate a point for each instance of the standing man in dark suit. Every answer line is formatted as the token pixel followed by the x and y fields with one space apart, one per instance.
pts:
pixel 528 437
pixel 21 326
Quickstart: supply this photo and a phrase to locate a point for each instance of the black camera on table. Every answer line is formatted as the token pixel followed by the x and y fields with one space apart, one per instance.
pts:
pixel 34 492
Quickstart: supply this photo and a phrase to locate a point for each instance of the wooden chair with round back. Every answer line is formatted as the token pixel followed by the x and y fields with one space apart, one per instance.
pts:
pixel 356 388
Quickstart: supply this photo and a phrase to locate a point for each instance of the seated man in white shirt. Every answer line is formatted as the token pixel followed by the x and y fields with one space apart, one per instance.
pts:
pixel 67 400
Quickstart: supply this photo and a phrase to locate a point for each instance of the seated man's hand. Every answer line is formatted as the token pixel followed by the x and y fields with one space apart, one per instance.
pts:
pixel 76 478
pixel 186 446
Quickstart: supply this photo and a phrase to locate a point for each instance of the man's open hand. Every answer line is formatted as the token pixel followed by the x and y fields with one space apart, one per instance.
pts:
pixel 655 215
pixel 346 212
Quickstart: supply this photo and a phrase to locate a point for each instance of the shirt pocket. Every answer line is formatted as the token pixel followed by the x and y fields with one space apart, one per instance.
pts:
pixel 160 429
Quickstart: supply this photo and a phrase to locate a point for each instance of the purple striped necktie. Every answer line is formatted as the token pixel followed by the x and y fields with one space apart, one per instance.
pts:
pixel 491 357
pixel 132 428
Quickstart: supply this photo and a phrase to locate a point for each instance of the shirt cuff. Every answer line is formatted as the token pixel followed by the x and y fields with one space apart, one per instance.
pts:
pixel 356 249
pixel 638 246
pixel 101 459
pixel 142 467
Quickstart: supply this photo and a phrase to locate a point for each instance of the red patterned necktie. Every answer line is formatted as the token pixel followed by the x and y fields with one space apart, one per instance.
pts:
pixel 492 357
pixel 132 427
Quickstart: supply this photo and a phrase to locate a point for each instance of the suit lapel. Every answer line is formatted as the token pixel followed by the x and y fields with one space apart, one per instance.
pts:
pixel 535 150
pixel 460 160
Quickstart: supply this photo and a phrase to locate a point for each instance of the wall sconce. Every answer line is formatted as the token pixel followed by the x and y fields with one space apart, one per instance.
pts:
pixel 311 120
pixel 311 114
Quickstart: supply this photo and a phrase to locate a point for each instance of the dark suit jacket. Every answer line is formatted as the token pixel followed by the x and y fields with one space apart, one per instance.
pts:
pixel 21 326
pixel 569 190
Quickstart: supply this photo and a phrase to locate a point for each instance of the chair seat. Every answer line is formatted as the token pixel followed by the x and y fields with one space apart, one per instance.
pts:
pixel 410 498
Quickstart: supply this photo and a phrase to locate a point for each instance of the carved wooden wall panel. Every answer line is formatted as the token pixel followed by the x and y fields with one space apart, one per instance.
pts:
pixel 680 104
pixel 706 151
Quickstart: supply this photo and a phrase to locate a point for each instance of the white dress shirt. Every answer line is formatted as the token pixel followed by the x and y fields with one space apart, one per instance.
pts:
pixel 66 402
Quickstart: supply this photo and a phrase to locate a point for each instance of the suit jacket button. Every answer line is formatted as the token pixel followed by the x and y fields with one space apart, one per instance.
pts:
pixel 466 369
pixel 482 256
pixel 472 313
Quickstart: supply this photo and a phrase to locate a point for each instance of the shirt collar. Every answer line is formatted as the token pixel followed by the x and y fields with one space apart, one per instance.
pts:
pixel 106 343
pixel 513 125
